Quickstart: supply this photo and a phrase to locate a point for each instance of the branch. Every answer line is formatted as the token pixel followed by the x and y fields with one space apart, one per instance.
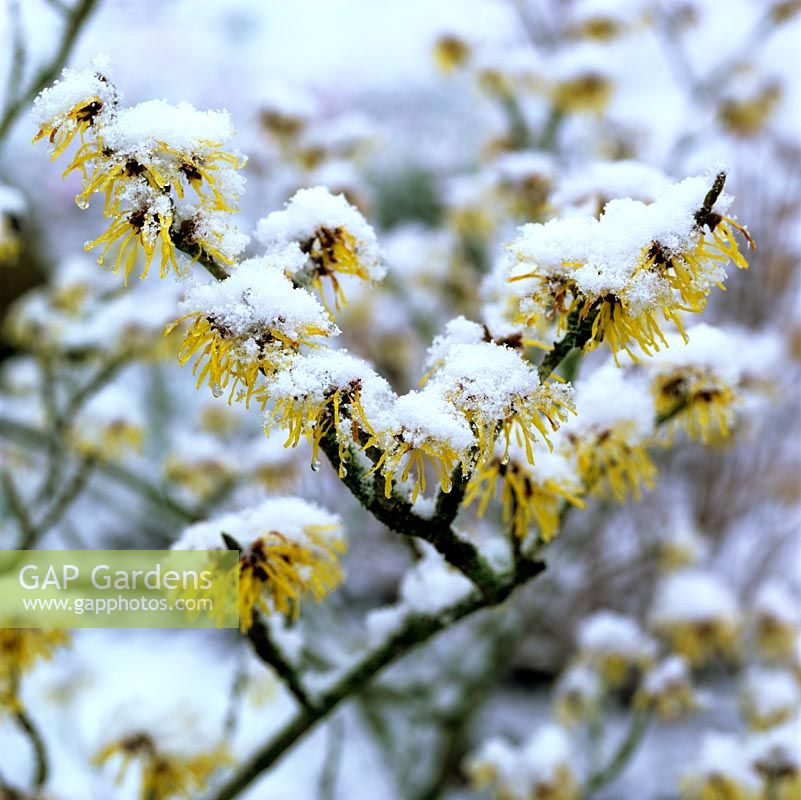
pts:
pixel 637 727
pixel 76 19
pixel 417 629
pixel 579 332
pixel 398 515
pixel 269 653
pixel 196 253
pixel 35 738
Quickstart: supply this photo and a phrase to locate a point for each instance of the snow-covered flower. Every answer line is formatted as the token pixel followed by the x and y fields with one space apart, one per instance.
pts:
pixel 109 426
pixel 614 645
pixel 144 159
pixel 169 147
pixel 667 688
pixel 697 615
pixel 72 105
pixel 200 465
pixel 326 390
pixel 541 767
pixel 333 236
pixel 776 756
pixel 694 383
pixel 246 326
pixel 579 80
pixel 530 494
pixel 775 621
pixel 623 271
pixel 421 427
pixel 501 397
pixel 680 546
pixel 610 433
pixel 578 694
pixel 289 548
pixel 145 224
pixel 720 769
pixel 770 697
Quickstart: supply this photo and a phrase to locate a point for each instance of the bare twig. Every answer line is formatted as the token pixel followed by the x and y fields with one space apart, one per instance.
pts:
pixel 35 738
pixel 638 724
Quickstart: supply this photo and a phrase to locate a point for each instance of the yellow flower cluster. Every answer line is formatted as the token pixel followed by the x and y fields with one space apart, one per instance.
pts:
pixel 143 160
pixel 163 776
pixel 617 274
pixel 528 495
pixel 276 572
pixel 20 650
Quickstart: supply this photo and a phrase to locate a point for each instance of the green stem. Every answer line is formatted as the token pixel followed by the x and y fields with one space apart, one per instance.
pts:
pixel 35 738
pixel 398 515
pixel 621 757
pixel 269 653
pixel 579 332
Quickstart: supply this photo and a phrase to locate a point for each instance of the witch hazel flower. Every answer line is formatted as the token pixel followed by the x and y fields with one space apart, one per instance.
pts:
pixel 624 271
pixel 326 390
pixel 667 689
pixel 245 327
pixel 333 235
pixel 697 616
pixel 608 438
pixel 72 106
pixel 720 769
pixel 531 494
pixel 421 427
pixel 543 766
pixel 501 396
pixel 694 383
pixel 770 696
pixel 174 754
pixel 145 160
pixel 578 695
pixel 774 621
pixel 615 645
pixel 289 548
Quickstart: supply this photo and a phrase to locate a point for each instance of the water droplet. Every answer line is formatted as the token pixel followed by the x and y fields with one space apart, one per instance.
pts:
pixel 216 389
pixel 82 203
pixel 446 489
pixel 505 459
pixel 343 472
pixel 315 465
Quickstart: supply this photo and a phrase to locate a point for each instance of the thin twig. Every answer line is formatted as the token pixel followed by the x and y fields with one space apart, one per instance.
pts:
pixel 622 755
pixel 17 51
pixel 417 629
pixel 333 760
pixel 267 650
pixel 35 738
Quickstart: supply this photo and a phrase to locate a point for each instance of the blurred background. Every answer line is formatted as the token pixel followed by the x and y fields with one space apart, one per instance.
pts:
pixel 448 125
